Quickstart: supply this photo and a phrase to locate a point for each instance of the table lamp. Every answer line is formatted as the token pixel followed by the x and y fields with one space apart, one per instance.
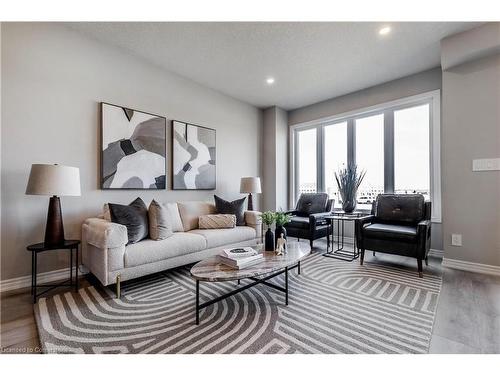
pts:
pixel 250 185
pixel 54 180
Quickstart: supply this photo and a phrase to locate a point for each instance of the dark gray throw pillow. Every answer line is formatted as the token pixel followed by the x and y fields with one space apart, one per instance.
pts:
pixel 134 217
pixel 236 208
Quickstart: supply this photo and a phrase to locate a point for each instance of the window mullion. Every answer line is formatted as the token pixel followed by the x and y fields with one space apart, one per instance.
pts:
pixel 389 151
pixel 320 158
pixel 351 142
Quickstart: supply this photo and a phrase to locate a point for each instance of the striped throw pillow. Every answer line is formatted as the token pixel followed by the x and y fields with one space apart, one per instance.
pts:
pixel 217 221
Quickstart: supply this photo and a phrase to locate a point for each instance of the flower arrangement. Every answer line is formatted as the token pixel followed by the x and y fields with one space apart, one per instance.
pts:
pixel 268 218
pixel 282 218
pixel 348 181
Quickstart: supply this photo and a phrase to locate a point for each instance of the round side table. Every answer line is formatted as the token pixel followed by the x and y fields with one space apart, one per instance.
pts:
pixel 40 248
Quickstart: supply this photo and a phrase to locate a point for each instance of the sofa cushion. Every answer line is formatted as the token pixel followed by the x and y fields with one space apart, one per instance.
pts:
pixel 134 217
pixel 236 208
pixel 221 237
pixel 150 251
pixel 390 232
pixel 408 208
pixel 191 211
pixel 160 221
pixel 217 221
pixel 175 217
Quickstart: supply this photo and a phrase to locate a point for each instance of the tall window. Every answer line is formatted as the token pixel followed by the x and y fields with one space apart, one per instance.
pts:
pixel 370 158
pixel 335 155
pixel 397 144
pixel 307 171
pixel 411 151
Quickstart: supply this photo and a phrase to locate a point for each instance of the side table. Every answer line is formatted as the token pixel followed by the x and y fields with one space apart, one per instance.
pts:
pixel 340 253
pixel 39 248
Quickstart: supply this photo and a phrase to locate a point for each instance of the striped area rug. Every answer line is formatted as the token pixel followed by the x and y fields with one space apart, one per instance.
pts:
pixel 334 307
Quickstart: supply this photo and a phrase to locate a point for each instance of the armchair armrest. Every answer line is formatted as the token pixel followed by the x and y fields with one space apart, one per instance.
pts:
pixel 359 223
pixel 253 219
pixel 314 219
pixel 292 212
pixel 105 234
pixel 424 236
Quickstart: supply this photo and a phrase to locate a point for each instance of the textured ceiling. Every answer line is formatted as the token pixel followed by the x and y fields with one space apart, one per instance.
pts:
pixel 310 61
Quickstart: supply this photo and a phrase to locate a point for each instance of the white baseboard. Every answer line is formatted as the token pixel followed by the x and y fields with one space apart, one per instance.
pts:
pixel 42 278
pixel 471 267
pixel 436 253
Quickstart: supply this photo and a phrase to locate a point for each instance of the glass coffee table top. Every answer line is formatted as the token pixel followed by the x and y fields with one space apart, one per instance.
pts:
pixel 211 269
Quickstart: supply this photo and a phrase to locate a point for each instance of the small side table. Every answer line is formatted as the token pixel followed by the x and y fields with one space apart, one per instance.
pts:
pixel 39 248
pixel 340 253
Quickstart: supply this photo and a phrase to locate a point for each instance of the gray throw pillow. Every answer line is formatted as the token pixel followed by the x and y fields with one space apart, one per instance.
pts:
pixel 236 208
pixel 160 222
pixel 134 217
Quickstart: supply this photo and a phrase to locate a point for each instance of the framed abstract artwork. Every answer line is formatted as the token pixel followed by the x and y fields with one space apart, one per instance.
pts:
pixel 193 157
pixel 133 145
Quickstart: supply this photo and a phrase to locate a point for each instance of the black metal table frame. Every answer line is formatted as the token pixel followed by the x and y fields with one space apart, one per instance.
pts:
pixel 340 253
pixel 256 281
pixel 34 261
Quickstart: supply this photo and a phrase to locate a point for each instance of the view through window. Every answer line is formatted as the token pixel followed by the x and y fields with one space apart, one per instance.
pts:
pixel 391 145
pixel 307 175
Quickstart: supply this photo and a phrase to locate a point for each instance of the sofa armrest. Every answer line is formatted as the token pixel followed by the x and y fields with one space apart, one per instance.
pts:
pixel 104 234
pixel 253 219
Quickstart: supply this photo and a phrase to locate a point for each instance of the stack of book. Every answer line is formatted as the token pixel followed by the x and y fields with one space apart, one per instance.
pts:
pixel 241 257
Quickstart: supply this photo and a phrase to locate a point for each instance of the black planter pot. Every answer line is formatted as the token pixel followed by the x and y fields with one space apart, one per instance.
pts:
pixel 277 234
pixel 269 244
pixel 349 205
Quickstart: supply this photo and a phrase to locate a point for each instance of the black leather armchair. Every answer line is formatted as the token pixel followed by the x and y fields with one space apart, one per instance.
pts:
pixel 308 220
pixel 398 224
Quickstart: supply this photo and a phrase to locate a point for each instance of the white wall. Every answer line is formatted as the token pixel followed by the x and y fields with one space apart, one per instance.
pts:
pixel 275 161
pixel 52 81
pixel 471 130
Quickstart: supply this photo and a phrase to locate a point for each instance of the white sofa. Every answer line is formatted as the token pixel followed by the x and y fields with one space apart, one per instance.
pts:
pixel 109 258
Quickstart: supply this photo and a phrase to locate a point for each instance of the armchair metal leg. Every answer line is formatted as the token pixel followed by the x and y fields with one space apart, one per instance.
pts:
pixel 419 265
pixel 362 256
pixel 118 291
pixel 311 243
pixel 427 260
pixel 374 253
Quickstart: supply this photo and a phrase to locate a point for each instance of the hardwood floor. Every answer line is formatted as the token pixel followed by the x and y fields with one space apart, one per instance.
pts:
pixel 467 318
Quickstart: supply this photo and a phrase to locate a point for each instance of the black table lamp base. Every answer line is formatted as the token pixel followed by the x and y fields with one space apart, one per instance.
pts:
pixel 54 230
pixel 250 202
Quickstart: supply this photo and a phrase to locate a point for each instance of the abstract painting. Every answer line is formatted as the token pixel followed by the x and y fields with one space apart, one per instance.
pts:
pixel 133 149
pixel 193 159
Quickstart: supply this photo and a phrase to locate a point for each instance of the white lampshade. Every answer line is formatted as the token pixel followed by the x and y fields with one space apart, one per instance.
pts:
pixel 53 179
pixel 250 185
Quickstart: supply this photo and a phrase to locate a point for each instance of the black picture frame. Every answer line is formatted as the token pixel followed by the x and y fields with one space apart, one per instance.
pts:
pixel 175 186
pixel 102 177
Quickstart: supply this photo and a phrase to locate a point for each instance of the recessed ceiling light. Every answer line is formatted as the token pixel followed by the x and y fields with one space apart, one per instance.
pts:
pixel 385 30
pixel 270 80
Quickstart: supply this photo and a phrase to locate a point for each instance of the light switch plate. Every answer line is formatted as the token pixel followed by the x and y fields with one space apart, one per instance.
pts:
pixel 485 165
pixel 456 239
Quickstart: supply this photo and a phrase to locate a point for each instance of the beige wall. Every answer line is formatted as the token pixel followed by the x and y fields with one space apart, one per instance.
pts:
pixel 471 130
pixel 52 81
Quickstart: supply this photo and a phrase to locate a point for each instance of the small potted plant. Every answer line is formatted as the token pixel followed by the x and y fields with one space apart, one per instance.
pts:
pixel 268 218
pixel 281 218
pixel 348 181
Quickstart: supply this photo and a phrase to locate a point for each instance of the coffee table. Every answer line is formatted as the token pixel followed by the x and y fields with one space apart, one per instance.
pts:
pixel 212 270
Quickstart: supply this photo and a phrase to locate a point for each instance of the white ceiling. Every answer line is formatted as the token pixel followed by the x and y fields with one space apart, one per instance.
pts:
pixel 310 61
